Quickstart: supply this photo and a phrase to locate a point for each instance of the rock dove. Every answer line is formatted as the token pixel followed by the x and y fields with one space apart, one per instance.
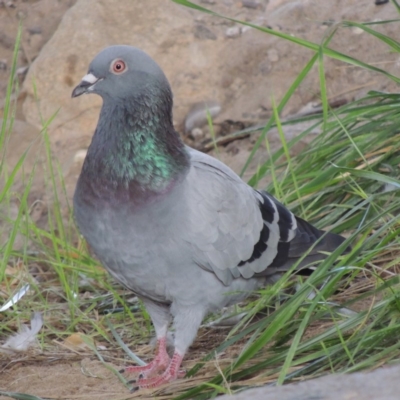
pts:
pixel 175 226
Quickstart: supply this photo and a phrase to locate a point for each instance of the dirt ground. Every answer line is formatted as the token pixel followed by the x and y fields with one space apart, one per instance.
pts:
pixel 60 374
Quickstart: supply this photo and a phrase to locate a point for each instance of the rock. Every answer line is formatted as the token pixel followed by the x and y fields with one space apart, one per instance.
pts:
pixel 70 50
pixel 198 59
pixel 23 137
pixel 196 134
pixel 233 148
pixel 40 20
pixel 35 30
pixel 382 383
pixel 233 32
pixel 80 155
pixel 251 4
pixel 198 114
pixel 357 31
pixel 22 71
pixel 202 32
pixel 6 41
pixel 34 45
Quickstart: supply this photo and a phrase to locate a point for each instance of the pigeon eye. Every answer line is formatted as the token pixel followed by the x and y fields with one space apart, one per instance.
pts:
pixel 118 66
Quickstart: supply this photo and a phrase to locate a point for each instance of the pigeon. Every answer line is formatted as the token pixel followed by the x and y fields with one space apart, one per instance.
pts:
pixel 175 226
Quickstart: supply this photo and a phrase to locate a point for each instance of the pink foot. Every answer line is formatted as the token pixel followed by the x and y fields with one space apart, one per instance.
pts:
pixel 159 363
pixel 170 374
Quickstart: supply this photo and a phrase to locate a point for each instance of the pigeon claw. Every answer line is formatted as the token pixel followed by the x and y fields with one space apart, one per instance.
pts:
pixel 156 381
pixel 151 369
pixel 159 364
pixel 134 369
pixel 182 373
pixel 171 373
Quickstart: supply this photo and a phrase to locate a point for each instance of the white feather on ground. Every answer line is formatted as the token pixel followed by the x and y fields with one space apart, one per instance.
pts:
pixel 26 337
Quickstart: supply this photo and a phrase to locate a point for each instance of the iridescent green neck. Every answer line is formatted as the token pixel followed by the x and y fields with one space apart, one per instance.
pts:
pixel 135 144
pixel 143 158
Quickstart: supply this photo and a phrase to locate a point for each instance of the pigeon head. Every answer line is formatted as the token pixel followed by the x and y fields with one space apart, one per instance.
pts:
pixel 121 72
pixel 135 146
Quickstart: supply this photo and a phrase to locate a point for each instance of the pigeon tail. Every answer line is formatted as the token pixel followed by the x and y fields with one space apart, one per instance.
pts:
pixel 307 237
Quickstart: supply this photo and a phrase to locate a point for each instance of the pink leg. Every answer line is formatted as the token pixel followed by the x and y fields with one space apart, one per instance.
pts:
pixel 159 363
pixel 170 374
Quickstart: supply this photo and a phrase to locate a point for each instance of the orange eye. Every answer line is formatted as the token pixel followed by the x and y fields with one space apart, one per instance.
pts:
pixel 118 66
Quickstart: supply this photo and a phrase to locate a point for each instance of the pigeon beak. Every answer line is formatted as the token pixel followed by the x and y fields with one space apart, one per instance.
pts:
pixel 86 85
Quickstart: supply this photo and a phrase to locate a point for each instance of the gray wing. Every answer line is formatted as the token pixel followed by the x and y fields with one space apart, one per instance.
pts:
pixel 235 230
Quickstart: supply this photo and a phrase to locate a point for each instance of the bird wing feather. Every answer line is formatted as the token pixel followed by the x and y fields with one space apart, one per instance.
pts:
pixel 235 229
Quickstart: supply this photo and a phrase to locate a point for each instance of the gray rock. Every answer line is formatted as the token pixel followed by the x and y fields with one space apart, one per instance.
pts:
pixel 203 33
pixel 197 115
pixel 35 30
pixel 196 134
pixel 22 71
pixel 382 384
pixel 233 32
pixel 251 4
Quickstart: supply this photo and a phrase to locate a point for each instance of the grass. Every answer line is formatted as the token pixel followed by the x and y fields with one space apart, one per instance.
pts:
pixel 343 318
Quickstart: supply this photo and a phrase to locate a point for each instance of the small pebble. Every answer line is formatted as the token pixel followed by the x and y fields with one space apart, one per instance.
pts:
pixel 233 32
pixel 203 33
pixel 380 2
pixel 245 28
pixel 21 71
pixel 35 30
pixel 80 155
pixel 198 114
pixel 250 4
pixel 273 55
pixel 328 22
pixel 357 31
pixel 3 65
pixel 232 148
pixel 196 134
